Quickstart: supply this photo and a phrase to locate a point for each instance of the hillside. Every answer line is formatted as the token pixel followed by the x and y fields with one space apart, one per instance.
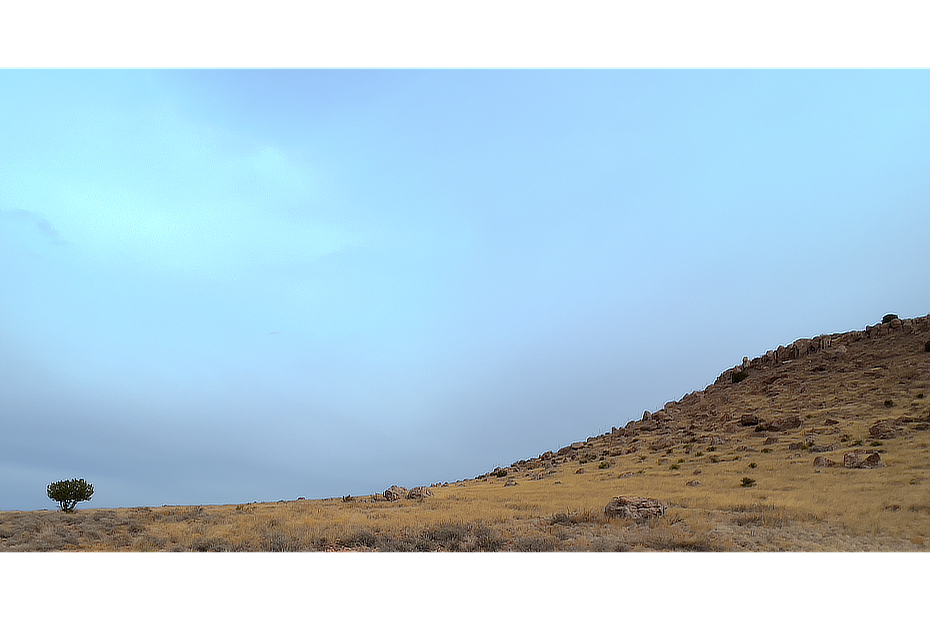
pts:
pixel 823 444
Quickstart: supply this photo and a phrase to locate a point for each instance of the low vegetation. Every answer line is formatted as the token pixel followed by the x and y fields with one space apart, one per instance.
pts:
pixel 789 504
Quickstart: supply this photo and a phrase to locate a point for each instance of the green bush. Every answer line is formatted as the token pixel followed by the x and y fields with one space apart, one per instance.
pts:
pixel 604 465
pixel 927 346
pixel 69 492
pixel 747 482
pixel 738 376
pixel 752 466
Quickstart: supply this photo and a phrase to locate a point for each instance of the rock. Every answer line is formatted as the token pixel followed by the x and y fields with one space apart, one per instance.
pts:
pixel 746 449
pixel 510 483
pixel 852 460
pixel 749 419
pixel 830 448
pixel 857 459
pixel 781 424
pixel 872 461
pixel 639 509
pixel 696 472
pixel 395 493
pixel 580 470
pixel 663 444
pixel 884 429
pixel 831 421
pixel 769 441
pixel 692 483
pixel 797 445
pixel 419 493
pixel 717 441
pixel 627 474
pixel 822 461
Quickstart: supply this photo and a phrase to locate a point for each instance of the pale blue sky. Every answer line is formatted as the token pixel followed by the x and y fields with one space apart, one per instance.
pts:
pixel 233 286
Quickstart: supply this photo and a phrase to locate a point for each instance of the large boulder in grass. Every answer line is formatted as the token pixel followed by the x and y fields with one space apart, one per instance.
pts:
pixel 419 493
pixel 858 459
pixel 639 509
pixel 395 493
pixel 884 429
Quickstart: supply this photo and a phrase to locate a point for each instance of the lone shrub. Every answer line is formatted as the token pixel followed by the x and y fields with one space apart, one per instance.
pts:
pixel 69 492
pixel 927 346
pixel 747 482
pixel 738 376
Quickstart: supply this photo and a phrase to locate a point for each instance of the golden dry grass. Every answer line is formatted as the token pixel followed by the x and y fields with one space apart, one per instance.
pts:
pixel 790 506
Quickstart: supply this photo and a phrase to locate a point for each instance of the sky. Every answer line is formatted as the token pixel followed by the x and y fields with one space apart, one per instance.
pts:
pixel 225 286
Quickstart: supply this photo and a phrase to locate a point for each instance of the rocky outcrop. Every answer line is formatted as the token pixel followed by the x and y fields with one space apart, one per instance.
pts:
pixel 822 461
pixel 639 509
pixel 833 345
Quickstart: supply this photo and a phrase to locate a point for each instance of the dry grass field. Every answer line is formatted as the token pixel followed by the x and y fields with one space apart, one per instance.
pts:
pixel 734 463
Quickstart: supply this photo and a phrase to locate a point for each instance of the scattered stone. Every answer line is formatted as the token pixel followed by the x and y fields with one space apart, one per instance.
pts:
pixel 851 460
pixel 797 445
pixel 692 483
pixel 627 474
pixel 830 448
pixel 639 509
pixel 750 419
pixel 830 421
pixel 717 441
pixel 769 441
pixel 822 461
pixel 746 449
pixel 696 472
pixel 580 470
pixel 510 483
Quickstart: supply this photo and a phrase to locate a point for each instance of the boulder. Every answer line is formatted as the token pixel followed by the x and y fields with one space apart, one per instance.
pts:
pixel 692 483
pixel 769 441
pixel 852 460
pixel 822 461
pixel 884 429
pixel 749 419
pixel 781 424
pixel 830 448
pixel 419 493
pixel 639 509
pixel 510 483
pixel 872 461
pixel 395 493
pixel 858 459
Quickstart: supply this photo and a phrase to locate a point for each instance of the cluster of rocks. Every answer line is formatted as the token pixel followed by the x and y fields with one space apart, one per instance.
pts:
pixel 891 428
pixel 396 492
pixel 857 459
pixel 719 416
pixel 835 345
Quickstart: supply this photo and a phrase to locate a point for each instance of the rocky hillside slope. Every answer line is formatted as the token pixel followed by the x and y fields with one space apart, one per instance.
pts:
pixel 819 390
